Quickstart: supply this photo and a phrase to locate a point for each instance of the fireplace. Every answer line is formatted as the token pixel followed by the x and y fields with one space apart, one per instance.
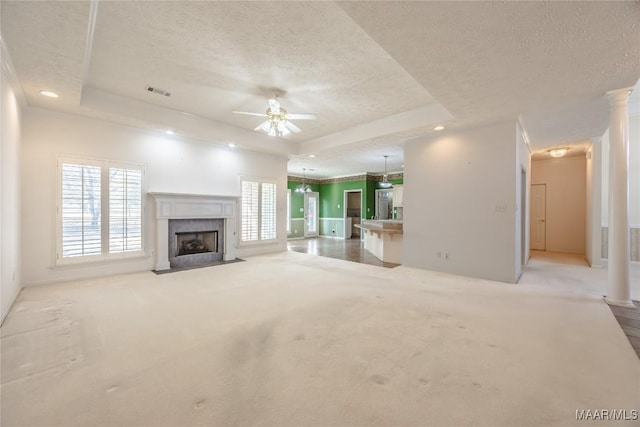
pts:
pixel 193 229
pixel 194 241
pixel 188 243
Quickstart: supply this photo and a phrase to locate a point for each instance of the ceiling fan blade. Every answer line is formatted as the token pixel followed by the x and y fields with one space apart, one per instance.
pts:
pixel 301 116
pixel 293 128
pixel 275 106
pixel 250 114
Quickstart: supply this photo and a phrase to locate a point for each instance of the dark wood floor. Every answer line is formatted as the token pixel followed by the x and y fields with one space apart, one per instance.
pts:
pixel 629 320
pixel 345 249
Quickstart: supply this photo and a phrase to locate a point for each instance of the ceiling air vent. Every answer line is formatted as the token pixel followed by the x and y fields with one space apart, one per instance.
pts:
pixel 157 91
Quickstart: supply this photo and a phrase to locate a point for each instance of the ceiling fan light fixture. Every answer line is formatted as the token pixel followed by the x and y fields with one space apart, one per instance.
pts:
pixel 282 128
pixel 277 123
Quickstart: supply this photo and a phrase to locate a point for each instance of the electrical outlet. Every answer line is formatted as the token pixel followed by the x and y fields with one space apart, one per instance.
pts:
pixel 439 254
pixel 446 255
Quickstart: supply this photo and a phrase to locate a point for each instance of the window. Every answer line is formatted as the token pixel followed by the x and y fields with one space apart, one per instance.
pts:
pixel 100 209
pixel 258 211
pixel 125 210
pixel 250 212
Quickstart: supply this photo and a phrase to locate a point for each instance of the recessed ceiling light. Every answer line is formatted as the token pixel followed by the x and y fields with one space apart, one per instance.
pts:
pixel 439 127
pixel 48 93
pixel 312 155
pixel 558 152
pixel 231 145
pixel 169 132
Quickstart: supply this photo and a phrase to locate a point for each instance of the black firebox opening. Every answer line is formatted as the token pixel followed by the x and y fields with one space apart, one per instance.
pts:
pixel 189 243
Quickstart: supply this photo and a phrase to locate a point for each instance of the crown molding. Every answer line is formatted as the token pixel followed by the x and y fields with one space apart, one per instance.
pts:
pixel 362 177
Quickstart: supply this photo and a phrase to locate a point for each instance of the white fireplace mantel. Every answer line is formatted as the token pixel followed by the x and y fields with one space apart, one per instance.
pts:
pixel 193 206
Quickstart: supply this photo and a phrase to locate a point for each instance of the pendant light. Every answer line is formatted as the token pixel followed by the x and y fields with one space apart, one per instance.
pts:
pixel 385 178
pixel 303 187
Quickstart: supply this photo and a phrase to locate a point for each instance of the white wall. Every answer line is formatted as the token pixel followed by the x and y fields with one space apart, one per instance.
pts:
pixel 460 200
pixel 593 243
pixel 10 122
pixel 565 179
pixel 173 165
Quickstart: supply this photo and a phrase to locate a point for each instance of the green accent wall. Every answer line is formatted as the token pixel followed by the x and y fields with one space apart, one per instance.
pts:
pixel 297 199
pixel 332 195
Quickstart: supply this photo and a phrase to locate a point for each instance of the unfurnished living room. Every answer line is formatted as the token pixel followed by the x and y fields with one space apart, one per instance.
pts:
pixel 320 213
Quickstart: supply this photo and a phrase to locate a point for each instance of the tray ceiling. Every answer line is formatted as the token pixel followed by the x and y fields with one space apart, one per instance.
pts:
pixel 375 73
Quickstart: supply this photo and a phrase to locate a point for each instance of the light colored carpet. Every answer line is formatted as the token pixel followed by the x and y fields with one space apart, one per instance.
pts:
pixel 292 339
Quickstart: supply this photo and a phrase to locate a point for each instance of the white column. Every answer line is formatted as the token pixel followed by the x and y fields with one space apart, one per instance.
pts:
pixel 618 264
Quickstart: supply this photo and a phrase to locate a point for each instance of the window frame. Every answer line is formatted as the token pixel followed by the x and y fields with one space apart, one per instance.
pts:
pixel 105 181
pixel 259 240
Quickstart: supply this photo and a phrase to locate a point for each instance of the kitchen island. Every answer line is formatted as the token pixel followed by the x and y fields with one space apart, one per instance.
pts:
pixel 383 238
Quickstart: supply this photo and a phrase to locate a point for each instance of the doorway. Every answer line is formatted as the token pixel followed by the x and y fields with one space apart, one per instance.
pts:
pixel 352 212
pixel 538 233
pixel 311 214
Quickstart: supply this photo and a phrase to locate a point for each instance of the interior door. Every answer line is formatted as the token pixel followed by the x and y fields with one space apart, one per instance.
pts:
pixel 538 217
pixel 311 214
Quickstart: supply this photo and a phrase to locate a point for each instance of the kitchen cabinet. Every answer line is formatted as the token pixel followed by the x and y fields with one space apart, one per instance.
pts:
pixel 397 196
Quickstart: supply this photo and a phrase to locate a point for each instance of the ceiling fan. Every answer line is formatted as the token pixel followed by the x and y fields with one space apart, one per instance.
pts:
pixel 278 119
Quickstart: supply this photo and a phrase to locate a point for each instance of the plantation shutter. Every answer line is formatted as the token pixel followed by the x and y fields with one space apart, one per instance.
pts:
pixel 125 210
pixel 81 210
pixel 250 214
pixel 268 225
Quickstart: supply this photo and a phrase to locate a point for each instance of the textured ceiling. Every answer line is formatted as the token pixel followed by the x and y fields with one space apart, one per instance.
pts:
pixel 552 62
pixel 375 73
pixel 217 57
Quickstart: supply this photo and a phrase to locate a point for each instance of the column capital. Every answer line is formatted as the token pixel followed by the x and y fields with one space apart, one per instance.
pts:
pixel 619 95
